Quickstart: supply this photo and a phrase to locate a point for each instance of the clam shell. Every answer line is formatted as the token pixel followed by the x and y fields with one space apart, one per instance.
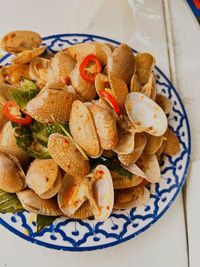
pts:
pixel 131 197
pixel 79 51
pixel 67 156
pixel 135 85
pixel 82 87
pixel 123 181
pixel 83 212
pixel 153 144
pixel 41 175
pixel 140 143
pixel 144 65
pixel 51 105
pixel 18 41
pixel 150 167
pixel 83 129
pixel 12 177
pixel 105 125
pixel 122 63
pixel 101 193
pixel 38 70
pixel 100 84
pixel 164 143
pixel 54 189
pixel 149 89
pixel 119 88
pixel 172 145
pixel 72 194
pixel 8 144
pixel 145 114
pixel 62 65
pixel 13 73
pixel 164 102
pixel 126 143
pixel 33 203
pixel 26 56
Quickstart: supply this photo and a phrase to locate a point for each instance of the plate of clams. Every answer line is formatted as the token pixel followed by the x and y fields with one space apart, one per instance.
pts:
pixel 94 140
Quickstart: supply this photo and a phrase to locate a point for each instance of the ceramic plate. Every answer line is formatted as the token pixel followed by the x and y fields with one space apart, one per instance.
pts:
pixel 78 235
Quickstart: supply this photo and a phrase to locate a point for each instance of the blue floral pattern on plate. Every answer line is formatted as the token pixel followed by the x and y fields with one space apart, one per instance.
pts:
pixel 78 235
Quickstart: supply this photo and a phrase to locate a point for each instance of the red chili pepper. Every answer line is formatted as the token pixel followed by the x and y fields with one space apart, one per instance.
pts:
pixel 6 111
pixel 110 100
pixel 86 74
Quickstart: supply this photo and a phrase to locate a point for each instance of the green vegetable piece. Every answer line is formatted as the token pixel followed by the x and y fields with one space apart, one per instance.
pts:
pixel 25 93
pixel 44 221
pixel 9 203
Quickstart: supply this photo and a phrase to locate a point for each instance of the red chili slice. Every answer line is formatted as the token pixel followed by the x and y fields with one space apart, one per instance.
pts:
pixel 6 111
pixel 110 100
pixel 86 74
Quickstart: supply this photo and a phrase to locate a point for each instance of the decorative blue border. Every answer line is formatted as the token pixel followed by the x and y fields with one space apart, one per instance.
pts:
pixel 64 248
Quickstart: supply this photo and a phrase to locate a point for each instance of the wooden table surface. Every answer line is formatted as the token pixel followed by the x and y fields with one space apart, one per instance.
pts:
pixel 147 26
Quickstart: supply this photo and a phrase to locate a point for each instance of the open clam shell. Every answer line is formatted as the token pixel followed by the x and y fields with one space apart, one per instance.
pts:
pixel 79 51
pixel 164 143
pixel 126 143
pixel 33 203
pixel 153 143
pixel 42 175
pixel 149 89
pixel 62 65
pixel 150 166
pixel 172 144
pixel 18 41
pixel 144 66
pixel 125 181
pixel 101 193
pixel 67 156
pixel 140 143
pixel 26 56
pixel 12 177
pixel 145 114
pixel 105 124
pixel 83 212
pixel 51 105
pixel 72 194
pixel 164 102
pixel 118 89
pixel 82 87
pixel 13 73
pixel 122 63
pixel 83 129
pixel 8 143
pixel 131 197
pixel 38 70
pixel 54 189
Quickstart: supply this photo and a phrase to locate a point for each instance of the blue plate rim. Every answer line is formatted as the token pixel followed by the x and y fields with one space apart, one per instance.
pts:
pixel 117 242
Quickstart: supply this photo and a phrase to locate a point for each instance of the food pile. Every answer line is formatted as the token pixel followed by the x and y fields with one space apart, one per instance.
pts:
pixel 82 131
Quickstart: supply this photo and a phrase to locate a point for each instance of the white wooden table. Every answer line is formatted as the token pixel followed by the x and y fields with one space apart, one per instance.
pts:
pixel 168 242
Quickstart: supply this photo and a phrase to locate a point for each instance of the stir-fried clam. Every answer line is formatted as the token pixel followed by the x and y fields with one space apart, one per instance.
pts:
pixel 101 193
pixel 18 41
pixel 83 129
pixel 67 156
pixel 44 177
pixel 8 144
pixel 51 105
pixel 12 177
pixel 39 70
pixel 72 195
pixel 33 203
pixel 117 135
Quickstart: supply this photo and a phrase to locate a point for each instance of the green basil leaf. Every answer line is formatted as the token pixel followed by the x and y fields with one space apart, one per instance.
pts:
pixel 9 202
pixel 44 221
